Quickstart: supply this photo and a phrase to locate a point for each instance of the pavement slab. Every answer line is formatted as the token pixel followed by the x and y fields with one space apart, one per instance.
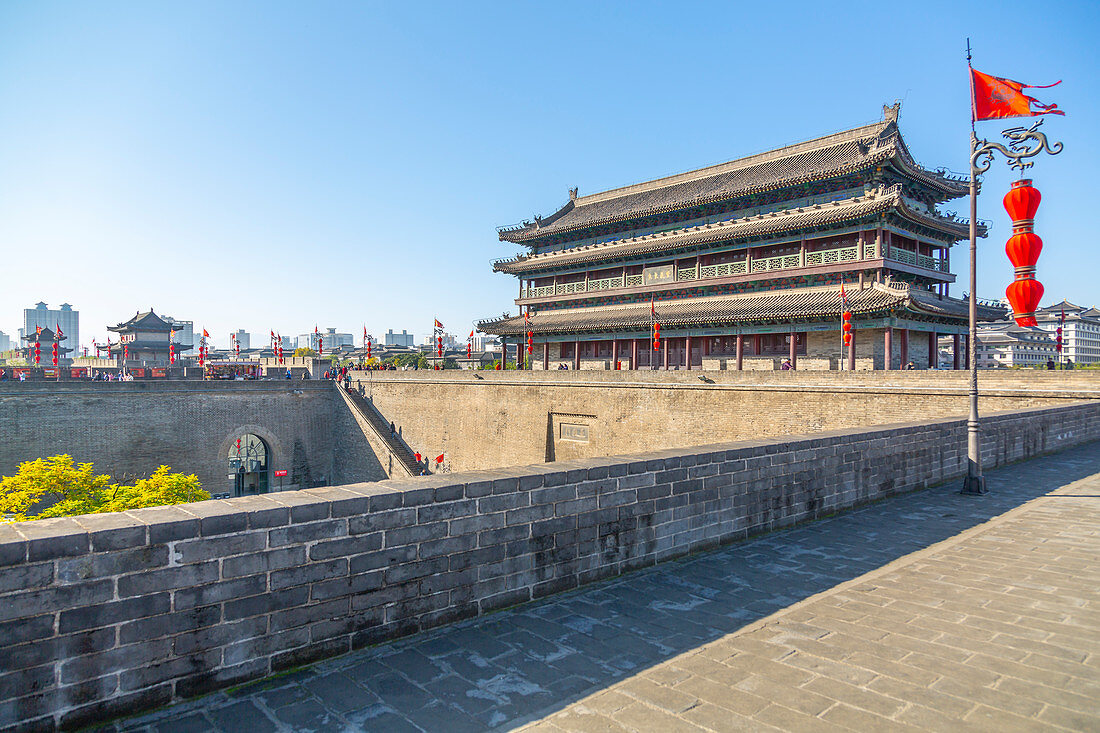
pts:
pixel 930 610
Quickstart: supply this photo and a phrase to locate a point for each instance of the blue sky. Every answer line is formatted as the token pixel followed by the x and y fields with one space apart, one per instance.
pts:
pixel 278 165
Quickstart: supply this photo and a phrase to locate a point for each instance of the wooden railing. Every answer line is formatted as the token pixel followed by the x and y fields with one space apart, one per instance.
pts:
pixel 833 256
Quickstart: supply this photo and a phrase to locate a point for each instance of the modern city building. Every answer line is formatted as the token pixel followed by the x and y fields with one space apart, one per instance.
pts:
pixel 741 264
pixel 5 342
pixel 1080 334
pixel 41 316
pixel 399 339
pixel 243 339
pixel 1008 345
pixel 332 340
pixel 185 330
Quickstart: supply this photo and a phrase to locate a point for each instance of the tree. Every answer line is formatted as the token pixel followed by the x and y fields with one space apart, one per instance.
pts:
pixel 76 489
pixel 304 351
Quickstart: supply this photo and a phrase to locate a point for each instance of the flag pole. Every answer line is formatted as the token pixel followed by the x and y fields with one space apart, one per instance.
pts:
pixel 975 482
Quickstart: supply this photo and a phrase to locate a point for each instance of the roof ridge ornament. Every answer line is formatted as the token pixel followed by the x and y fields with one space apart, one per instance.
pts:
pixel 890 112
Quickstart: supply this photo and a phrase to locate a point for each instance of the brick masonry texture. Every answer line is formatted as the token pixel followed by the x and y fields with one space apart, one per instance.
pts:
pixel 108 614
pixel 513 418
pixel 129 429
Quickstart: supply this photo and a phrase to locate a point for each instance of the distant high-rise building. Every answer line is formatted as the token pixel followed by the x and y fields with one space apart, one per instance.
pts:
pixel 399 339
pixel 185 330
pixel 65 318
pixel 5 342
pixel 243 339
pixel 332 340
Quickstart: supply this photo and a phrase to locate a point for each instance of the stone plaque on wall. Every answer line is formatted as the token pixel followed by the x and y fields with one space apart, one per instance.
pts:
pixel 574 432
pixel 658 275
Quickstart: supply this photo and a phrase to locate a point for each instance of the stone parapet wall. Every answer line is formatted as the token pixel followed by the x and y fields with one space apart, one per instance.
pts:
pixel 507 418
pixel 109 614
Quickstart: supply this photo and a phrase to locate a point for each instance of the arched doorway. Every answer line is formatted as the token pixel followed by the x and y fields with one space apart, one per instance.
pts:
pixel 248 462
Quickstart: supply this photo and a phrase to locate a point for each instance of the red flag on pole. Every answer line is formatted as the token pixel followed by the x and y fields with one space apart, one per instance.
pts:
pixel 58 336
pixel 438 324
pixel 439 458
pixel 995 98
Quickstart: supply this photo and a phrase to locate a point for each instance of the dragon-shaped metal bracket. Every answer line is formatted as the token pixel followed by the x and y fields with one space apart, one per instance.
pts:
pixel 1017 152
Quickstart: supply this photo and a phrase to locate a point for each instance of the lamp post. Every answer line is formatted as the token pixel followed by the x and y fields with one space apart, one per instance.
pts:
pixel 981 157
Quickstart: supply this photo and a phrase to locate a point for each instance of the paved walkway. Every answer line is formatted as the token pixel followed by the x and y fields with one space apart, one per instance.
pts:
pixel 927 611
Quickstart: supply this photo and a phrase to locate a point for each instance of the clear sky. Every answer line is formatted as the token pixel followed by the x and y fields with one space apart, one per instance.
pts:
pixel 275 165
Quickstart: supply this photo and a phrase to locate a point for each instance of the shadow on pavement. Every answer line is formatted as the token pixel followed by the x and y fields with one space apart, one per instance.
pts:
pixel 508 668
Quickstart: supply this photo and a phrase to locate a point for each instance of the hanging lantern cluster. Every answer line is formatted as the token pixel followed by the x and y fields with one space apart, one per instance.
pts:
pixel 530 334
pixel 368 350
pixel 37 352
pixel 55 351
pixel 846 325
pixel 1023 248
pixel 656 335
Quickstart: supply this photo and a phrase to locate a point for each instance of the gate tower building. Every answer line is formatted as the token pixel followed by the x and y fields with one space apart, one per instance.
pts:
pixel 742 264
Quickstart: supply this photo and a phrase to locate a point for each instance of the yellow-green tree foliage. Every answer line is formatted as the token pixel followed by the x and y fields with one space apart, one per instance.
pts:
pixel 76 489
pixel 304 351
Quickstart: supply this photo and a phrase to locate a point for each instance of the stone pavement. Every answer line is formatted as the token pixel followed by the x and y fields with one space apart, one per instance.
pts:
pixel 926 611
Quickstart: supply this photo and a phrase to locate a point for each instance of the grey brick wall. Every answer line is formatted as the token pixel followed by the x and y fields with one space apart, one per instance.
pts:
pixel 129 429
pixel 108 614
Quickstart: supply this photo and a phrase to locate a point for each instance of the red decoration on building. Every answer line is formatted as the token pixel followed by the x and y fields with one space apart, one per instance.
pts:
pixel 1023 249
pixel 55 352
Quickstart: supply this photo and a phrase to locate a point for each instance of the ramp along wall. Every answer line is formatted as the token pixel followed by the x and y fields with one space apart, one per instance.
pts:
pixel 103 615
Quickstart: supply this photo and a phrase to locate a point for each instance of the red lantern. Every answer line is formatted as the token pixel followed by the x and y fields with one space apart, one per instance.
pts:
pixel 1023 249
pixel 1024 295
pixel 847 315
pixel 847 327
pixel 847 338
pixel 1021 202
pixel 55 353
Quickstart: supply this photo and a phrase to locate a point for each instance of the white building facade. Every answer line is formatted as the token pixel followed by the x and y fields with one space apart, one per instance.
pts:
pixel 1080 334
pixel 1004 345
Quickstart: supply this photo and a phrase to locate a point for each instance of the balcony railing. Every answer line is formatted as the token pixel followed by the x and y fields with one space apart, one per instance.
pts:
pixel 759 264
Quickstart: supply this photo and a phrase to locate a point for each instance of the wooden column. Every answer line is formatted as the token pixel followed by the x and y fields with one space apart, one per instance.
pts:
pixel 740 351
pixel 955 352
pixel 520 361
pixel 687 351
pixel 577 355
pixel 634 354
pixel 852 351
pixel 794 349
pixel 966 352
pixel 664 345
pixel 614 354
pixel 933 350
pixel 546 356
pixel 904 347
pixel 503 352
pixel 889 342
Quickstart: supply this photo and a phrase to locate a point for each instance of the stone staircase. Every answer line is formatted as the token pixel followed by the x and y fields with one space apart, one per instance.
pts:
pixel 377 421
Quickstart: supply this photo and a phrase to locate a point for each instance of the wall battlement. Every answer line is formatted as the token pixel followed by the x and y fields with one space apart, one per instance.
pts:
pixel 108 614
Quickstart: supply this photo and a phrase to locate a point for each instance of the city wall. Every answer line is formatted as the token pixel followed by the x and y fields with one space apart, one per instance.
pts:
pixel 492 419
pixel 104 615
pixel 128 429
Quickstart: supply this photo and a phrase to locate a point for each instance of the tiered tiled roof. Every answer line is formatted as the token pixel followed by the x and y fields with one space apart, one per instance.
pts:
pixel 842 153
pixel 148 321
pixel 769 224
pixel 794 305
